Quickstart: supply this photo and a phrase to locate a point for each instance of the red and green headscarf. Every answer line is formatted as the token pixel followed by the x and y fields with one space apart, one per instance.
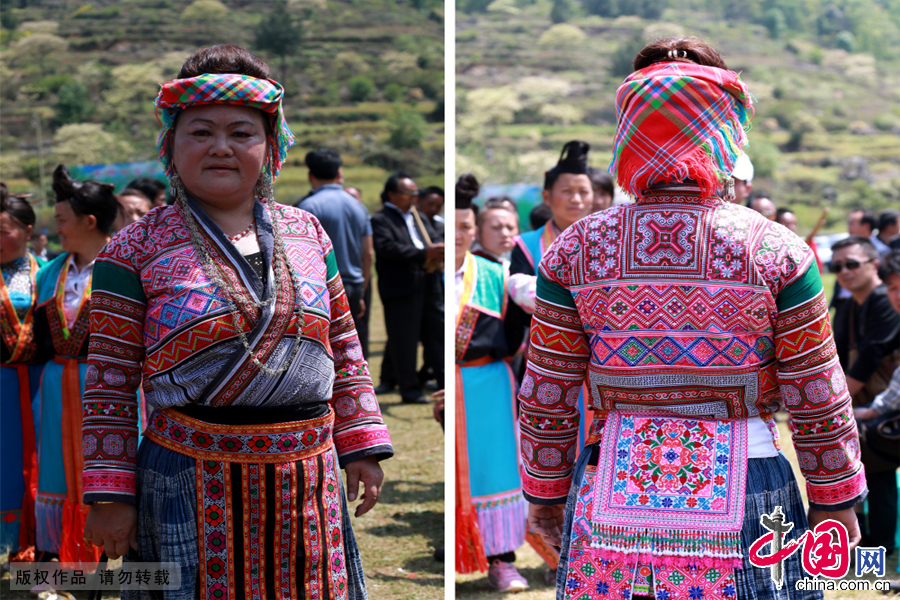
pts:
pixel 679 121
pixel 227 88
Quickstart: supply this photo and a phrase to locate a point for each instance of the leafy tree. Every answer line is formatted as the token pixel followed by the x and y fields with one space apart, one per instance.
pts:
pixel 88 144
pixel 361 88
pixel 775 22
pixel 37 48
pixel 8 19
pixel 280 33
pixel 561 11
pixel 602 8
pixel 205 10
pixel 561 35
pixel 845 41
pixel 72 104
pixel 393 92
pixel 623 57
pixel 133 88
pixel 408 129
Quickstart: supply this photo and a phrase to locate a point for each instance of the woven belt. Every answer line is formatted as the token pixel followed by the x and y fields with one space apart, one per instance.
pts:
pixel 273 443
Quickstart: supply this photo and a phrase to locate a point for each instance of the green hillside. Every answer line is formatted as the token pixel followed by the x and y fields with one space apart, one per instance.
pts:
pixel 824 73
pixel 367 79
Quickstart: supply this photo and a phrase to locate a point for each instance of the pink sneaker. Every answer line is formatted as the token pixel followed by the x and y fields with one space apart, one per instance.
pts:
pixel 505 577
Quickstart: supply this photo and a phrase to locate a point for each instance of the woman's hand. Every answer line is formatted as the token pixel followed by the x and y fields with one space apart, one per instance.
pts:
pixel 845 517
pixel 438 407
pixel 113 527
pixel 368 472
pixel 548 521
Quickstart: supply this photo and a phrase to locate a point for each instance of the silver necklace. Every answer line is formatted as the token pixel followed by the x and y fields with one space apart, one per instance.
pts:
pixel 280 260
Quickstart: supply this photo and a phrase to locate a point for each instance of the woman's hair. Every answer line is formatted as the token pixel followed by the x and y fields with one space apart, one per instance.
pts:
pixel 148 186
pixel 539 215
pixel 87 198
pixel 497 203
pixel 485 210
pixel 467 187
pixel 601 180
pixel 221 59
pixel 573 159
pixel 17 208
pixel 678 49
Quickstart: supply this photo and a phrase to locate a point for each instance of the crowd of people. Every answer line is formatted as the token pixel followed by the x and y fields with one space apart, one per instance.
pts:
pixel 613 353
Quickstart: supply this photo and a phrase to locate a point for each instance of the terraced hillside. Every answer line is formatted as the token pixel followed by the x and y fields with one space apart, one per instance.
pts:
pixel 827 125
pixel 367 79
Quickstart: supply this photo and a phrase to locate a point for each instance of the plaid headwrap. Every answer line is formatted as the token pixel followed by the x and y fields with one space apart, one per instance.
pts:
pixel 227 88
pixel 679 121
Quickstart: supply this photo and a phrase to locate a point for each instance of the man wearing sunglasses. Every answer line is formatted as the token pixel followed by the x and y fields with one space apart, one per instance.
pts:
pixel 866 328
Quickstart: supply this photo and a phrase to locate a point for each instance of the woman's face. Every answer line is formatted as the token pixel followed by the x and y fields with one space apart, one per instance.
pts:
pixel 465 233
pixel 498 228
pixel 219 151
pixel 570 198
pixel 133 209
pixel 73 230
pixel 602 200
pixel 13 238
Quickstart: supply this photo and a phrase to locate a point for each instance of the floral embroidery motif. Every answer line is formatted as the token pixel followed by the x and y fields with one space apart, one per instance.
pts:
pixel 671 468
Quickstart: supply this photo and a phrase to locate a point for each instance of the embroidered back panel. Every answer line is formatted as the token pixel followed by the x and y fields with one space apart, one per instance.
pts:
pixel 677 297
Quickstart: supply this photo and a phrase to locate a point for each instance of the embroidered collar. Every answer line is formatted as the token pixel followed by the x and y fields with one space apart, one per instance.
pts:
pixel 679 193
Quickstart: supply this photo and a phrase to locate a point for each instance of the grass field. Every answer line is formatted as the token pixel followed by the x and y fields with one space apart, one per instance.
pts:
pixel 396 538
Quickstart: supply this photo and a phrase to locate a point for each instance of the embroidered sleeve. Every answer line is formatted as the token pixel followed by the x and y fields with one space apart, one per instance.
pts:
pixel 115 358
pixel 558 354
pixel 780 257
pixel 359 430
pixel 815 393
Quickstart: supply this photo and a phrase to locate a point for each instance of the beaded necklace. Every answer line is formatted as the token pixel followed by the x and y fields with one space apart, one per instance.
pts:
pixel 236 238
pixel 213 271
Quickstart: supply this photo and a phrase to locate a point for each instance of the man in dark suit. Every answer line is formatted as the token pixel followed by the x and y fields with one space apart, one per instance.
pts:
pixel 413 301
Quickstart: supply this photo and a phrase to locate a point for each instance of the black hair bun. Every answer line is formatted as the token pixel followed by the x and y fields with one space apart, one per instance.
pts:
pixel 574 157
pixel 467 189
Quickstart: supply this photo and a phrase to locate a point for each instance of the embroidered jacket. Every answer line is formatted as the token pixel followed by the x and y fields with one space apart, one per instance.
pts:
pixel 159 322
pixel 18 293
pixel 693 306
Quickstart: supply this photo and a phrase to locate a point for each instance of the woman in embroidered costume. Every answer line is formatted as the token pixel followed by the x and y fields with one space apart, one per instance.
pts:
pixel 229 308
pixel 569 192
pixel 20 373
pixel 84 214
pixel 491 511
pixel 692 320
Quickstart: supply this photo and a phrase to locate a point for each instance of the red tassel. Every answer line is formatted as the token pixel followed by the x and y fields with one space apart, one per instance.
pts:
pixel 696 165
pixel 470 554
pixel 73 548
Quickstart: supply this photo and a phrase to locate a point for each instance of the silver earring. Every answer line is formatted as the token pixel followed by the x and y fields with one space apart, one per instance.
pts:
pixel 176 188
pixel 729 191
pixel 264 189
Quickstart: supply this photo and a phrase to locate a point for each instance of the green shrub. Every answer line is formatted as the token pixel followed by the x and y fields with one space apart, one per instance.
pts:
pixel 623 57
pixel 72 104
pixel 393 92
pixel 407 128
pixel 775 22
pixel 361 88
pixel 430 82
pixel 845 41
pixel 561 11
